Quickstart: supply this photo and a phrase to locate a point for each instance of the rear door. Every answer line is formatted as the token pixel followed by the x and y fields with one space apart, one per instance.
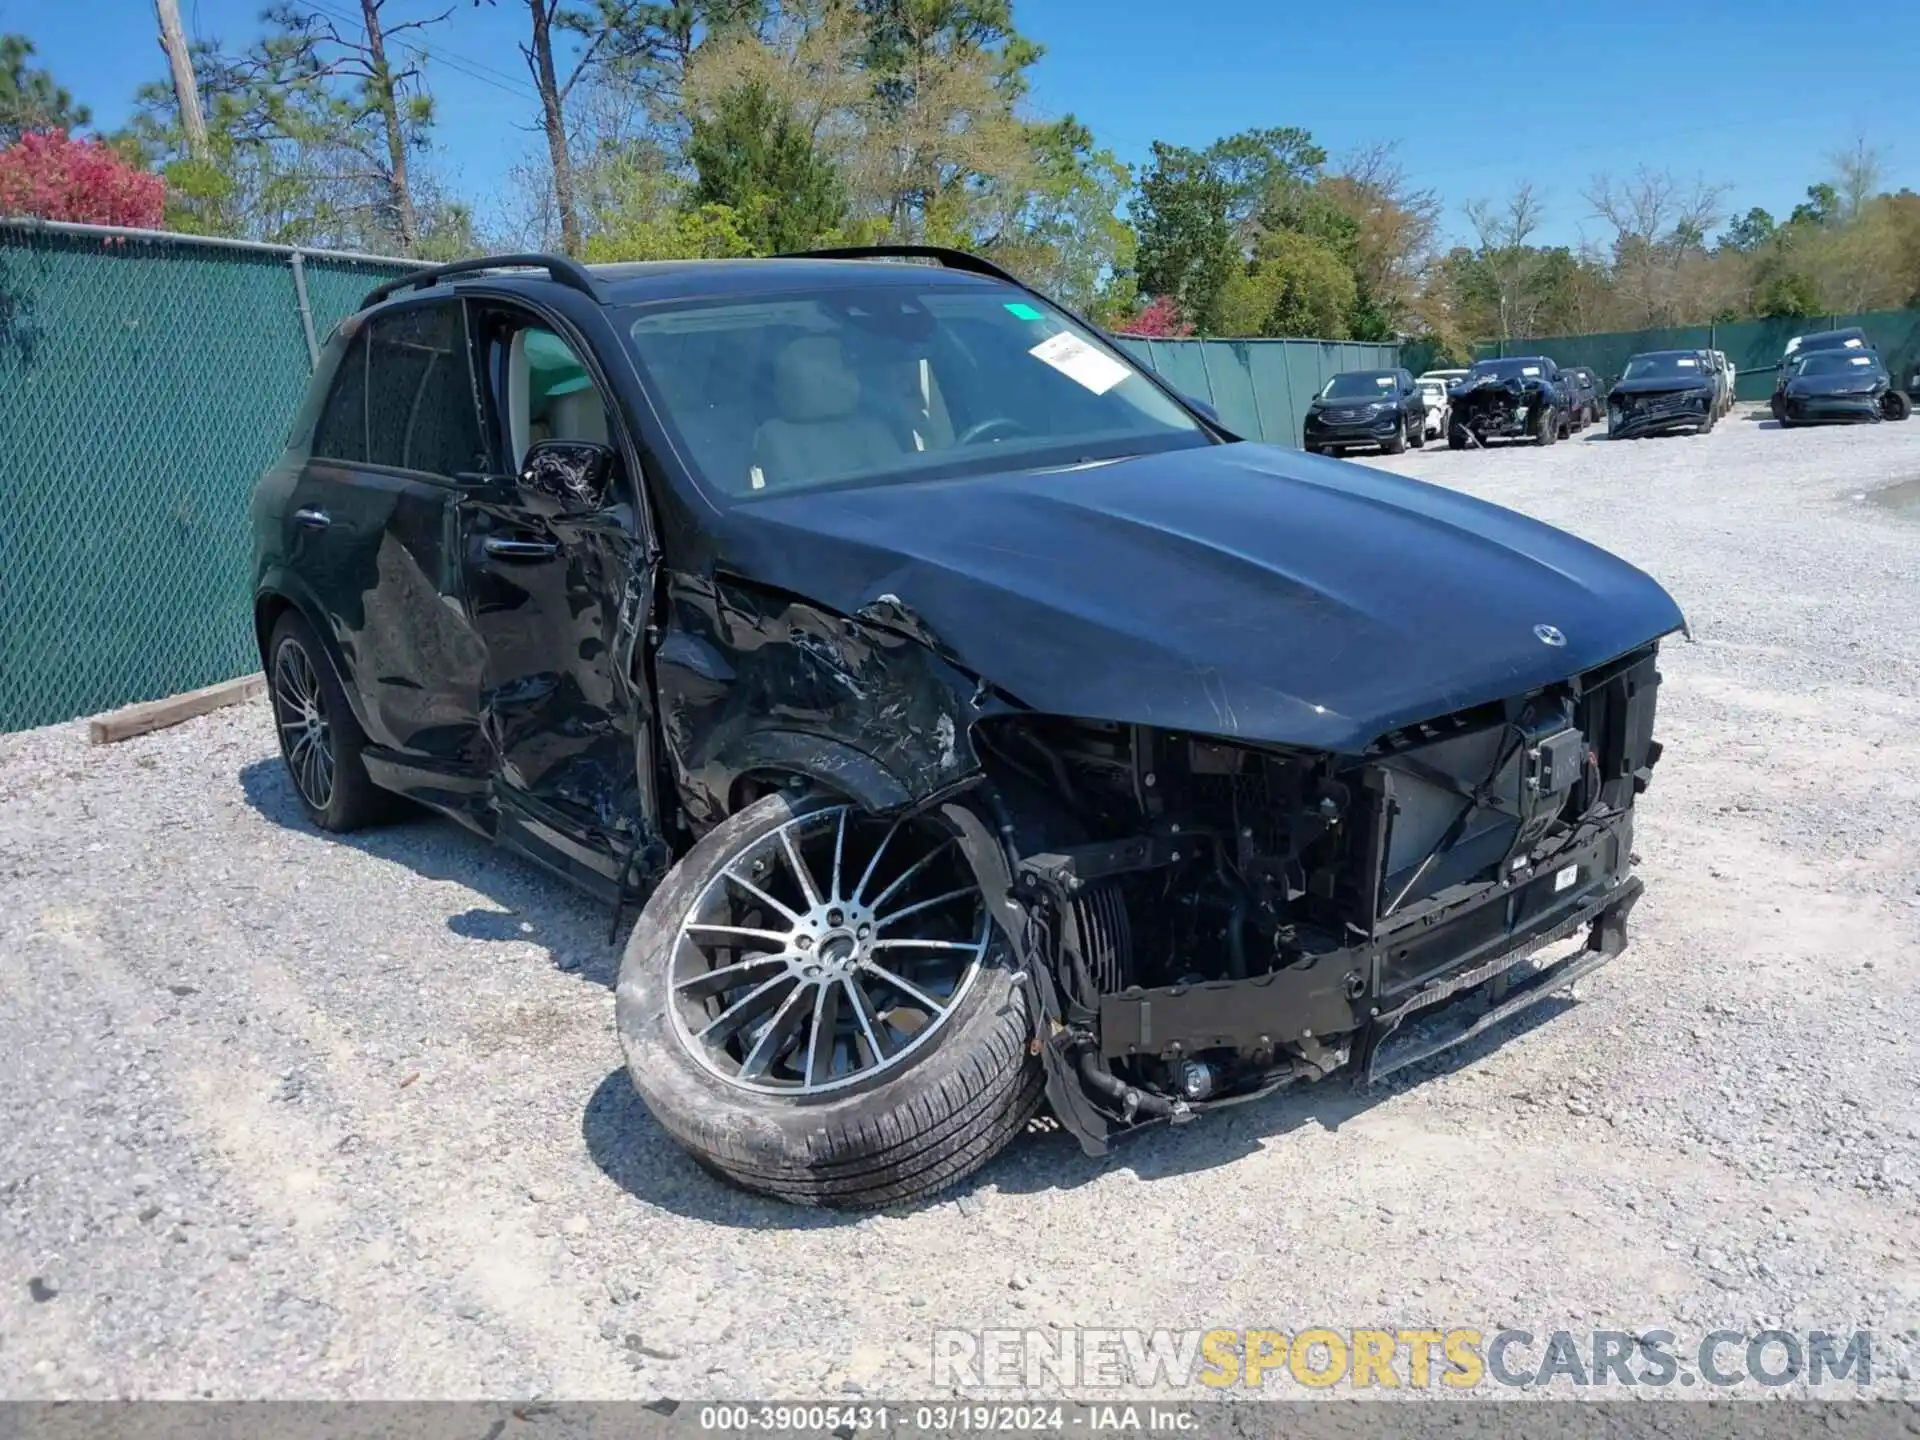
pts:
pixel 374 515
pixel 560 600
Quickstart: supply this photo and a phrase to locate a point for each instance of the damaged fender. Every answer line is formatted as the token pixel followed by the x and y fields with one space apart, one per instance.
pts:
pixel 754 681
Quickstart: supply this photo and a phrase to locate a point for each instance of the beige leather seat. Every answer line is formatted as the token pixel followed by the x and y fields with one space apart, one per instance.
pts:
pixel 577 415
pixel 819 430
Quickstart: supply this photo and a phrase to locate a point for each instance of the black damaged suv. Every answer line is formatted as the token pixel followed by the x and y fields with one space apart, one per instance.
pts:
pixel 979 719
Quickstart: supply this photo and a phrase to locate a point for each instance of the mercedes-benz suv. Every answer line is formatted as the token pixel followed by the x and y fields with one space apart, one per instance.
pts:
pixel 977 720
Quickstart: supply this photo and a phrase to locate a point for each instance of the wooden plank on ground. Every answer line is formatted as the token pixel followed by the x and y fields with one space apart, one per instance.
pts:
pixel 151 715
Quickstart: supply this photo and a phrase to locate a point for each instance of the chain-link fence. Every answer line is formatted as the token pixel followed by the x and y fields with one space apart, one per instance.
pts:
pixel 146 380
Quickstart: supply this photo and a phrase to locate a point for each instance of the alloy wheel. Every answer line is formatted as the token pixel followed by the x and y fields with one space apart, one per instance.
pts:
pixel 300 711
pixel 826 953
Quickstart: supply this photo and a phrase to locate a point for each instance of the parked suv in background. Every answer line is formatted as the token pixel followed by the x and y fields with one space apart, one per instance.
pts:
pixel 978 719
pixel 1583 392
pixel 1520 397
pixel 1663 391
pixel 1366 408
pixel 1850 337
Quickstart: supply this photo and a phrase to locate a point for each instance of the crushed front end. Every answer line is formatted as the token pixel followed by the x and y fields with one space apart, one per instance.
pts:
pixel 1634 413
pixel 1208 920
pixel 1490 408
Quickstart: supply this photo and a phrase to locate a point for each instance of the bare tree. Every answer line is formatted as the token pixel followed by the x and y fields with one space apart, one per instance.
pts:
pixel 594 34
pixel 1396 224
pixel 1856 177
pixel 186 91
pixel 393 96
pixel 1512 262
pixel 1659 224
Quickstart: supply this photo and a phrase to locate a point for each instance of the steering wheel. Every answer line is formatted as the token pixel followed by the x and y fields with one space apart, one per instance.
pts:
pixel 995 426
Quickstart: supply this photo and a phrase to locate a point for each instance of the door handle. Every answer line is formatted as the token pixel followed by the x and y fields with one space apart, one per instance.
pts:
pixel 312 519
pixel 501 548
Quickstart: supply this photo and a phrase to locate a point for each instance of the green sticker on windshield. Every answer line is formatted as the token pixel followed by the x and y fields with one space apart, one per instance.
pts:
pixel 1024 312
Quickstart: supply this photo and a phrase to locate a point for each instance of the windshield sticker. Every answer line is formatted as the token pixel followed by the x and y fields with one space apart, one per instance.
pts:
pixel 1023 312
pixel 1685 363
pixel 1862 360
pixel 1385 382
pixel 1530 371
pixel 1080 362
pixel 1856 343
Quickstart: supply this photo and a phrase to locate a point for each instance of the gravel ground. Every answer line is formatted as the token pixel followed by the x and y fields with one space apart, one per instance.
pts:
pixel 292 1116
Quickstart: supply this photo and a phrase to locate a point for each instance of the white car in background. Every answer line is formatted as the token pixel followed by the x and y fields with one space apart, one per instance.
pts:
pixel 1433 389
pixel 1728 375
pixel 1446 380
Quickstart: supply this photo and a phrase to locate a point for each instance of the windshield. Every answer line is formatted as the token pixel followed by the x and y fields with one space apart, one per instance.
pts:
pixel 1360 385
pixel 1662 367
pixel 888 382
pixel 1519 369
pixel 1838 362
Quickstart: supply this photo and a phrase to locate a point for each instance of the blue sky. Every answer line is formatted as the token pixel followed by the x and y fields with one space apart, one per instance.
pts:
pixel 1754 93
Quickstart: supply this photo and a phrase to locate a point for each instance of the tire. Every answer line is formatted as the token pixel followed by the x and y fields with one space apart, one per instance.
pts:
pixel 1895 405
pixel 1778 407
pixel 320 740
pixel 1711 420
pixel 1456 437
pixel 1546 428
pixel 1397 443
pixel 1312 449
pixel 1417 437
pixel 963 1086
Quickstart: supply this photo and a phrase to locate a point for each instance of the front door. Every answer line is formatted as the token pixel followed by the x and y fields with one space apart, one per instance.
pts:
pixel 560 597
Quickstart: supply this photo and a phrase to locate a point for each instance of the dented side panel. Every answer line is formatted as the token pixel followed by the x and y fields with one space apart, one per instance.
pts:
pixel 564 711
pixel 753 680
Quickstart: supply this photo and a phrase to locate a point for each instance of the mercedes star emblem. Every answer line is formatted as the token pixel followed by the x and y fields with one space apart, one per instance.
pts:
pixel 1549 635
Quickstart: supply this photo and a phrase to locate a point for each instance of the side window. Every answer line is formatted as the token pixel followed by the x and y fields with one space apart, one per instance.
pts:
pixel 341 433
pixel 539 389
pixel 420 400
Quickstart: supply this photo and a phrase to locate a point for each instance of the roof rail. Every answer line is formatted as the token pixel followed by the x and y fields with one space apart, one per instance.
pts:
pixel 570 273
pixel 945 256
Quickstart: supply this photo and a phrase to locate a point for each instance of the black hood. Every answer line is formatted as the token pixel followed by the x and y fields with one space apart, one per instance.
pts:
pixel 1495 384
pixel 1237 590
pixel 1863 384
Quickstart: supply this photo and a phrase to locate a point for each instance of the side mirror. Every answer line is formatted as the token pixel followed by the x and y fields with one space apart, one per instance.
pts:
pixel 575 474
pixel 1205 409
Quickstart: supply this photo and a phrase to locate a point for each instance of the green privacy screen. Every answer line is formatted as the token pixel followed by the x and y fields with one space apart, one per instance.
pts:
pixel 1754 346
pixel 146 381
pixel 1260 387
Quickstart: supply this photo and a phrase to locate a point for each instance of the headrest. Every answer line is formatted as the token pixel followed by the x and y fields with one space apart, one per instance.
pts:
pixel 811 380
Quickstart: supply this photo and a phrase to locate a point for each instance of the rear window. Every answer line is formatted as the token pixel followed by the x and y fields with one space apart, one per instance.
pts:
pixel 421 413
pixel 341 433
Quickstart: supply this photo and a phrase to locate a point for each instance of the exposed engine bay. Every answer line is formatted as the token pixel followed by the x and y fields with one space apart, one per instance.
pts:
pixel 1233 917
pixel 1490 406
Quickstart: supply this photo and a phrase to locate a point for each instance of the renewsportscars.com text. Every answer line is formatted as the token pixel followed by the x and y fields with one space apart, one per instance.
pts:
pixel 1456 1359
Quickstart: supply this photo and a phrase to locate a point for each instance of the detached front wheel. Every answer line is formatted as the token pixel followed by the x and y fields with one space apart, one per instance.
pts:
pixel 817 1005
